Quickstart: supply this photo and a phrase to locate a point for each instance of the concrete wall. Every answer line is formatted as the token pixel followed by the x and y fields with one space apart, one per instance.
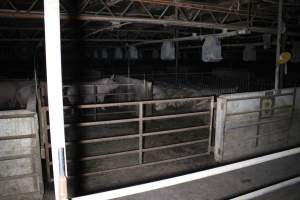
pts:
pixel 20 163
pixel 250 124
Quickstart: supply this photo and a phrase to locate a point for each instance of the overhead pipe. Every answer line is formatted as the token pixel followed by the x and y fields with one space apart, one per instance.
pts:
pixel 197 37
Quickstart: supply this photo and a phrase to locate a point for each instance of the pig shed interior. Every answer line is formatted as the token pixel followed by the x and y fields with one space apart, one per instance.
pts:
pixel 150 99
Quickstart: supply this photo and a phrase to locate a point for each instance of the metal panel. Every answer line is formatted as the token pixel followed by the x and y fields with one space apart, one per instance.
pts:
pixel 251 124
pixel 295 126
pixel 15 167
pixel 16 147
pixel 15 127
pixel 17 186
pixel 20 164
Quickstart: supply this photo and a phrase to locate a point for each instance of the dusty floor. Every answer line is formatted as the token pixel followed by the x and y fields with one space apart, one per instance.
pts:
pixel 289 193
pixel 223 186
pixel 233 184
pixel 129 177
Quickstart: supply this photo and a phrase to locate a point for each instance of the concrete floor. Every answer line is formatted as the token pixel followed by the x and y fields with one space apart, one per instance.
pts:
pixel 233 184
pixel 229 185
pixel 289 193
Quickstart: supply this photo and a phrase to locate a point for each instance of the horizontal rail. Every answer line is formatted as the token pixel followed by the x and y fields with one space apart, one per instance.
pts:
pixel 176 130
pixel 93 85
pixel 82 124
pixel 135 103
pixel 174 159
pixel 102 122
pixel 103 156
pixel 174 145
pixel 101 114
pixel 142 165
pixel 108 139
pixel 115 138
pixel 99 94
pixel 137 151
pixel 175 116
pixel 118 193
pixel 109 155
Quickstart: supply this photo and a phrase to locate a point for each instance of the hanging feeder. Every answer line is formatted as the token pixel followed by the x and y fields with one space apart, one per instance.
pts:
pixel 133 53
pixel 212 50
pixel 104 54
pixel 249 53
pixel 167 50
pixel 118 55
pixel 267 41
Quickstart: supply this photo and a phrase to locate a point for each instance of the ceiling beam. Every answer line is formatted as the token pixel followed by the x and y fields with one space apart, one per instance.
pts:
pixel 164 22
pixel 70 40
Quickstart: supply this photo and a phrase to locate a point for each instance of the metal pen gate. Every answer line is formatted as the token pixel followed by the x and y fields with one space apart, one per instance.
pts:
pixel 150 137
pixel 251 124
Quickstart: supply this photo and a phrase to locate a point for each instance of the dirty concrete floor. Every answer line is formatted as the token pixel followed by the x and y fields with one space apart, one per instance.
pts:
pixel 232 184
pixel 134 176
pixel 288 193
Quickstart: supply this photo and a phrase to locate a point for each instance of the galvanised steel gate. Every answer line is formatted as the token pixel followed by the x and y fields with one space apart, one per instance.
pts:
pixel 128 135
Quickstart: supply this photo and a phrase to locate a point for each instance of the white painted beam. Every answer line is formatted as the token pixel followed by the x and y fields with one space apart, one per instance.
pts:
pixel 54 86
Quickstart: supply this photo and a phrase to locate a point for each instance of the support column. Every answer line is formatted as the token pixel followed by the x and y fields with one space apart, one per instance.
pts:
pixel 278 50
pixel 55 97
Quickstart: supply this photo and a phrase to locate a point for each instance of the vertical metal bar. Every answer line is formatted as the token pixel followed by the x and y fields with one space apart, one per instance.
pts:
pixel 224 126
pixel 279 28
pixel 176 45
pixel 145 91
pixel 46 143
pixel 54 83
pixel 41 123
pixel 95 90
pixel 128 73
pixel 34 152
pixel 177 58
pixel 141 132
pixel 211 121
